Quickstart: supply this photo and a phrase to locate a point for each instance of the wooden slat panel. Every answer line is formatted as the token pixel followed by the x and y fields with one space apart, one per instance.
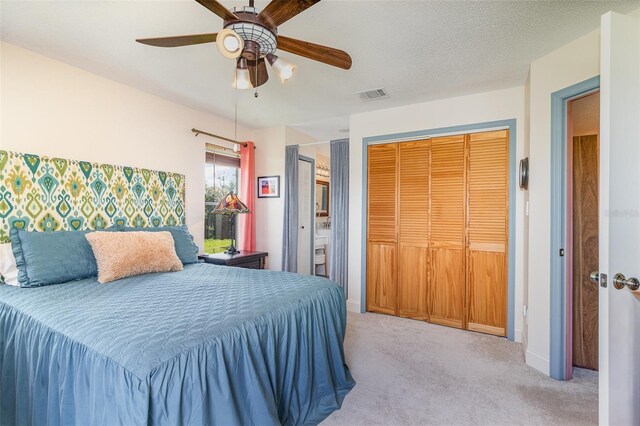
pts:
pixel 487 294
pixel 487 224
pixel 413 200
pixel 585 250
pixel 413 267
pixel 447 260
pixel 447 190
pixel 381 278
pixel 382 213
pixel 488 184
pixel 446 287
pixel 413 212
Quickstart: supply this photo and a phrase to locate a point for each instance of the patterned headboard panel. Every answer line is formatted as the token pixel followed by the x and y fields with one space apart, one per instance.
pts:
pixel 52 194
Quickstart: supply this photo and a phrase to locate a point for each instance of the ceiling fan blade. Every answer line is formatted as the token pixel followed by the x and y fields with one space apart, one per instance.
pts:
pixel 262 76
pixel 217 8
pixel 280 11
pixel 324 54
pixel 185 40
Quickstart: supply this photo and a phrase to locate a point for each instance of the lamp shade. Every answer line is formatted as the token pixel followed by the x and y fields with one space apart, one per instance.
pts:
pixel 231 204
pixel 282 67
pixel 241 78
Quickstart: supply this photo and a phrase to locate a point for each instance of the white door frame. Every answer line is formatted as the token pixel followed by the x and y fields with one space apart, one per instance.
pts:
pixel 312 220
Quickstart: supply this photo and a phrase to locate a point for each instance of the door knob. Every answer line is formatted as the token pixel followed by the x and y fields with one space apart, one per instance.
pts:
pixel 620 282
pixel 595 277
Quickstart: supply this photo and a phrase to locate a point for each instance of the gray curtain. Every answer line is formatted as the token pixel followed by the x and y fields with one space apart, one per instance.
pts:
pixel 339 212
pixel 290 228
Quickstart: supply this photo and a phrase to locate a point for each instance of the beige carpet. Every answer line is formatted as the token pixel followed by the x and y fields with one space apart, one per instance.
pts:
pixel 411 372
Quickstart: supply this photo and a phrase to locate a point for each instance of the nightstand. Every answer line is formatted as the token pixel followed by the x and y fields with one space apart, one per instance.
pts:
pixel 244 259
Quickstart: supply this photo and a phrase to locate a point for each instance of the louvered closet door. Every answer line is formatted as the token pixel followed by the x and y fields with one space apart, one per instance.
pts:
pixel 447 223
pixel 487 223
pixel 382 268
pixel 413 237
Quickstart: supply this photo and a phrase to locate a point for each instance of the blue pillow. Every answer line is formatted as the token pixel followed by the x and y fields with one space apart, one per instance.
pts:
pixel 45 258
pixel 186 249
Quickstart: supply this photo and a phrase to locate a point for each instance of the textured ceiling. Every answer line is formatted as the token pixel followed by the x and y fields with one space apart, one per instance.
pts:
pixel 417 50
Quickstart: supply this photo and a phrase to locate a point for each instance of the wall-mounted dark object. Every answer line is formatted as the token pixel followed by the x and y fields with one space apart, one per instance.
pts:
pixel 523 175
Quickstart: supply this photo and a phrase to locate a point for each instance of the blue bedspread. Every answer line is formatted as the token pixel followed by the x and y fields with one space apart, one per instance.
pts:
pixel 208 345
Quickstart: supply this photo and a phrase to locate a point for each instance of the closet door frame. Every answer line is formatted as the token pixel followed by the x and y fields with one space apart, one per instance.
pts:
pixel 510 125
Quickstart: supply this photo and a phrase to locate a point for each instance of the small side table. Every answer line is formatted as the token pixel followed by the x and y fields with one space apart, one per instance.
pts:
pixel 244 259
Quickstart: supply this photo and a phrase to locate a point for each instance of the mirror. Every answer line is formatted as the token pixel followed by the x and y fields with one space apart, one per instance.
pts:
pixel 322 198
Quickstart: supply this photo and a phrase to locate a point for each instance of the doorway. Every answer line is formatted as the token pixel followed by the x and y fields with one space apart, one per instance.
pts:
pixel 583 173
pixel 561 235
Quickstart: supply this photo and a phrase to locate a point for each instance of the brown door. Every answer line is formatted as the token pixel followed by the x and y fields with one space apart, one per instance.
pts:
pixel 585 250
pixel 488 186
pixel 447 219
pixel 382 228
pixel 413 215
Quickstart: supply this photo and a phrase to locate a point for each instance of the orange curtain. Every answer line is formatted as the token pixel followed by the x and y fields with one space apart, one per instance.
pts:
pixel 247 221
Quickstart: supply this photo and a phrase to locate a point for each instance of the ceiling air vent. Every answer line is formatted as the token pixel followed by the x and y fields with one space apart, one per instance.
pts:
pixel 373 94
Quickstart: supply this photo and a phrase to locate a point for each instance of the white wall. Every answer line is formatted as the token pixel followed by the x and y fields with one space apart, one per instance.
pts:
pixel 482 107
pixel 270 145
pixel 54 109
pixel 571 64
pixel 270 160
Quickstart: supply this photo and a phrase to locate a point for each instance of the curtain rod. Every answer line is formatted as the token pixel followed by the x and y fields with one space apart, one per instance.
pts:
pixel 313 143
pixel 201 132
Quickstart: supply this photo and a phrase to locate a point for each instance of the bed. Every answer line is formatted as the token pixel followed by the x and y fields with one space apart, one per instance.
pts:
pixel 206 345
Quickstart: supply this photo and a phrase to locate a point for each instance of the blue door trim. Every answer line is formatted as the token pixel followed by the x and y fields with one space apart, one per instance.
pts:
pixel 513 179
pixel 558 237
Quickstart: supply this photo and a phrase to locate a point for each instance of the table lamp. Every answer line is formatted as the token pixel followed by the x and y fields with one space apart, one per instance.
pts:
pixel 231 205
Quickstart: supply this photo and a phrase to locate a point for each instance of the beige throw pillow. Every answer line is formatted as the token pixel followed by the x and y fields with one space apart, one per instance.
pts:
pixel 124 254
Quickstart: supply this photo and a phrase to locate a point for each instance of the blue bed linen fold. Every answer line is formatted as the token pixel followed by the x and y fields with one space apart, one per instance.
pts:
pixel 207 345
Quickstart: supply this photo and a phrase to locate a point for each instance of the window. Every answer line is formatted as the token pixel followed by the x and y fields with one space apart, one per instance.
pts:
pixel 222 176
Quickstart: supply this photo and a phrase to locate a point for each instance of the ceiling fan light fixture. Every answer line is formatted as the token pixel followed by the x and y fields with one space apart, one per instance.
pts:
pixel 241 78
pixel 229 43
pixel 283 68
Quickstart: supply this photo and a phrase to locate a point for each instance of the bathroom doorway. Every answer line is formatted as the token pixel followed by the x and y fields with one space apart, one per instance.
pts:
pixel 314 245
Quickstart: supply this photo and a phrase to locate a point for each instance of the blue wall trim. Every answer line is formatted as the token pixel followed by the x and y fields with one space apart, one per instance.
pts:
pixel 558 236
pixel 513 179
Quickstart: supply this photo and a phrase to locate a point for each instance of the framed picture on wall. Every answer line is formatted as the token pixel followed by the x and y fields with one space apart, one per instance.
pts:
pixel 269 187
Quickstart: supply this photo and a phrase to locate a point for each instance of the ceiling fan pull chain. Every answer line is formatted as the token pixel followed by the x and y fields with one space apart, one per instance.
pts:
pixel 255 95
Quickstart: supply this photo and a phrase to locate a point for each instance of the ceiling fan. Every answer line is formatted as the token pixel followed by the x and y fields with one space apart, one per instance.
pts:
pixel 250 36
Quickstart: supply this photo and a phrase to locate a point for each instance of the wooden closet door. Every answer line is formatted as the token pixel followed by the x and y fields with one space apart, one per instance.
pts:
pixel 488 183
pixel 447 231
pixel 413 238
pixel 382 253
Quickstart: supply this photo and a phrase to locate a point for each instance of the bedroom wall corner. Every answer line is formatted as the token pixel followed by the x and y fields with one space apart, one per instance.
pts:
pixel 55 109
pixel 478 108
pixel 270 146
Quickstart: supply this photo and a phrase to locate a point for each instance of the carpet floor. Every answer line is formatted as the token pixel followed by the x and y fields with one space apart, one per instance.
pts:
pixel 415 373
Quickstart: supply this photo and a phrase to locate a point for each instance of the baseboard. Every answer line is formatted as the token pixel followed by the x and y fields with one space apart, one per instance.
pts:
pixel 353 306
pixel 536 361
pixel 517 336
